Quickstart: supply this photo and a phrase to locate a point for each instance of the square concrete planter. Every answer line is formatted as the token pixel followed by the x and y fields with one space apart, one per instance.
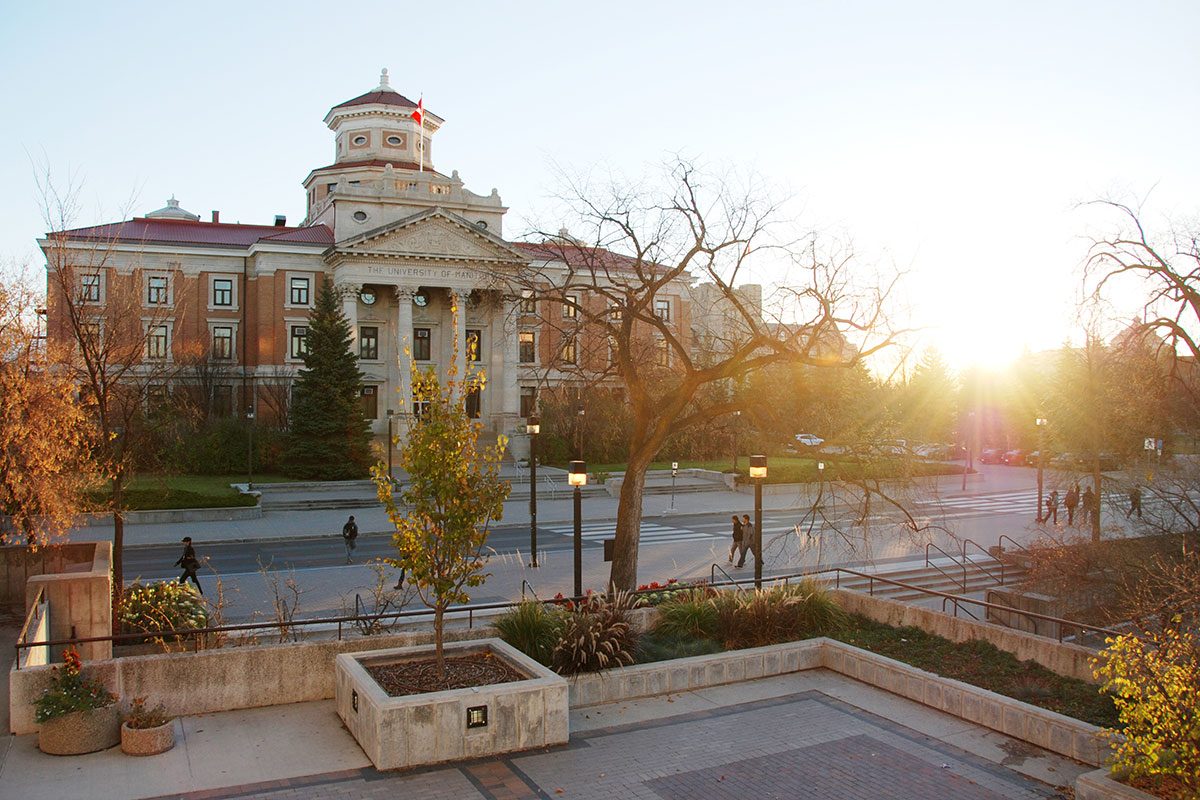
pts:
pixel 398 732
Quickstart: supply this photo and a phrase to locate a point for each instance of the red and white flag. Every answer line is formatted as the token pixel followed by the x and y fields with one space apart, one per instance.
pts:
pixel 419 116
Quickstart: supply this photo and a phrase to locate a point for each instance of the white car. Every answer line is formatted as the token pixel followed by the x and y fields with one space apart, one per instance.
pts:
pixel 809 439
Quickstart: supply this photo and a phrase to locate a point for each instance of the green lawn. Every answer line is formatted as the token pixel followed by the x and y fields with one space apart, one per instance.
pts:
pixel 152 492
pixel 793 469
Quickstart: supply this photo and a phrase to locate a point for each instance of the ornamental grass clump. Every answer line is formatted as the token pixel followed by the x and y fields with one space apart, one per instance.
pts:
pixel 533 628
pixel 597 635
pixel 69 691
pixel 780 614
pixel 142 718
pixel 688 613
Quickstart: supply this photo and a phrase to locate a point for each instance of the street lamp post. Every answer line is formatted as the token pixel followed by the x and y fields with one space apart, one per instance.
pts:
pixel 250 448
pixel 674 472
pixel 577 478
pixel 533 427
pixel 968 463
pixel 1041 426
pixel 737 420
pixel 758 471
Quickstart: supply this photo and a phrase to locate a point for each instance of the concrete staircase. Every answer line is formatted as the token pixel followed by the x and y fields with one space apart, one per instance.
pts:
pixel 941 575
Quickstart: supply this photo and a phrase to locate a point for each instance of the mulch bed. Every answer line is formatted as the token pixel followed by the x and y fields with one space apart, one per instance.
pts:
pixel 462 672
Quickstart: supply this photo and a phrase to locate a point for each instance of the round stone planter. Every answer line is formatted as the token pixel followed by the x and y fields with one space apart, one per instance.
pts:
pixel 81 731
pixel 147 741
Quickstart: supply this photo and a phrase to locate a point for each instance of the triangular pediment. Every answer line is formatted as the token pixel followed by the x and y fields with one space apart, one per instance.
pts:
pixel 434 234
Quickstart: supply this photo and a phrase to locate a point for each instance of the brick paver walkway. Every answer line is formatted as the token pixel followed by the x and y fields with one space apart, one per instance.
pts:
pixel 805 744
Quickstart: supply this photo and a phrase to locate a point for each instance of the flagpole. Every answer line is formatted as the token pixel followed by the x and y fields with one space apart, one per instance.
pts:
pixel 421 133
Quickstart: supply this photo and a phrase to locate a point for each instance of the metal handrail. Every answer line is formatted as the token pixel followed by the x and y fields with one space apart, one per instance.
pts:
pixel 1015 543
pixel 526 584
pixel 712 575
pixel 966 611
pixel 980 567
pixel 928 563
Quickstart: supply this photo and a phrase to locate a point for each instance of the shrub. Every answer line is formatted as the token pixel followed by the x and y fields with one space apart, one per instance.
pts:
pixel 69 691
pixel 1154 678
pixel 533 628
pixel 780 614
pixel 688 613
pixel 597 635
pixel 653 593
pixel 162 606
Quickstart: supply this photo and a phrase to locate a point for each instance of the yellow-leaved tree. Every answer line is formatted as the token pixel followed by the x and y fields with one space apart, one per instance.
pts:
pixel 453 494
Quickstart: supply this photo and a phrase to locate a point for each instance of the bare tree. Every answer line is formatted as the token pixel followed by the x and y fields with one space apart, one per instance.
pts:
pixel 275 391
pixel 640 249
pixel 117 347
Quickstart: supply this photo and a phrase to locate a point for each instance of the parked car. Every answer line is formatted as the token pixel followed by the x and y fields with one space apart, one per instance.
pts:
pixel 991 455
pixel 809 439
pixel 1013 458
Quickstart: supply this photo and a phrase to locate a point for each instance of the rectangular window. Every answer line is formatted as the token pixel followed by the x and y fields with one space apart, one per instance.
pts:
pixel 222 343
pixel 299 291
pixel 90 288
pixel 421 344
pixel 222 401
pixel 662 309
pixel 89 332
pixel 370 402
pixel 419 407
pixel 298 344
pixel 156 342
pixel 528 401
pixel 158 398
pixel 528 302
pixel 663 353
pixel 156 290
pixel 368 343
pixel 571 306
pixel 526 346
pixel 222 292
pixel 474 345
pixel 567 354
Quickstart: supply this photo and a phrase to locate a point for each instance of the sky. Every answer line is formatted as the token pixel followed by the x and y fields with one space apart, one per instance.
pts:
pixel 954 141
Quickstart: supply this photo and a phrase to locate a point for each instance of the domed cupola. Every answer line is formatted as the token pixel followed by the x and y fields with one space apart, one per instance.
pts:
pixel 172 211
pixel 380 126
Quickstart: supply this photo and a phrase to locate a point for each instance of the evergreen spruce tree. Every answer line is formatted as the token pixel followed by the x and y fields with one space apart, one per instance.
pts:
pixel 329 438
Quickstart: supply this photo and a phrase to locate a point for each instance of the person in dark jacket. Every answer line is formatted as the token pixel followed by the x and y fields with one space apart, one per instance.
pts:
pixel 1135 502
pixel 349 536
pixel 749 543
pixel 190 564
pixel 1071 501
pixel 1091 506
pixel 1052 508
pixel 737 538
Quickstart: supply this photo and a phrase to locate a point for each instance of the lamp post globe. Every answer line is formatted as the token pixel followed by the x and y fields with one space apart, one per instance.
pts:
pixel 577 478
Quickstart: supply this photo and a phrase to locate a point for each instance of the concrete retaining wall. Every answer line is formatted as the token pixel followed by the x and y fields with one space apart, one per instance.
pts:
pixel 18 565
pixel 218 680
pixel 79 601
pixel 1097 785
pixel 161 516
pixel 1070 660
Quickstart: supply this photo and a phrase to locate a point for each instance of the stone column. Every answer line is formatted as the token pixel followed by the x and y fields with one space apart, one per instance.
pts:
pixel 509 418
pixel 349 293
pixel 459 345
pixel 404 343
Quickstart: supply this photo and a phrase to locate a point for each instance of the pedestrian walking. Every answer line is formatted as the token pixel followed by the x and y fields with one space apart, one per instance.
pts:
pixel 1071 501
pixel 737 537
pixel 190 564
pixel 1091 510
pixel 1135 502
pixel 349 535
pixel 1052 508
pixel 749 542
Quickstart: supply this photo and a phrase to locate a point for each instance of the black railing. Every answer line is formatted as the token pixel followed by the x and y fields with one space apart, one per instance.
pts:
pixel 981 567
pixel 928 563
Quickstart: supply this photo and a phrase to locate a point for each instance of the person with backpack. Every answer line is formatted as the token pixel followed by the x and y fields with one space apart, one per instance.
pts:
pixel 349 535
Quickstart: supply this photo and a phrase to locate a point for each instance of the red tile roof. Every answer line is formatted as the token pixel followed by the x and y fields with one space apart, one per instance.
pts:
pixel 388 98
pixel 377 162
pixel 579 256
pixel 189 232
